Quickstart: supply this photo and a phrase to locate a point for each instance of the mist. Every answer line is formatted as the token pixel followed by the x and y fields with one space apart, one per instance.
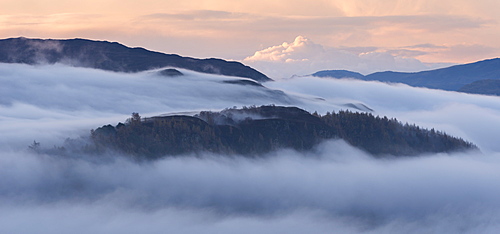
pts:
pixel 41 101
pixel 469 116
pixel 334 188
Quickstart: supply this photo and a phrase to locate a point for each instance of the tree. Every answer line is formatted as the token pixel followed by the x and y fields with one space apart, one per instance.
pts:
pixel 135 119
pixel 35 146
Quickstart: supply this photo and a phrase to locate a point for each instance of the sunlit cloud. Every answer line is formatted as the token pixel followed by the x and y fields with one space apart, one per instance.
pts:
pixel 197 15
pixel 316 24
pixel 304 57
pixel 235 32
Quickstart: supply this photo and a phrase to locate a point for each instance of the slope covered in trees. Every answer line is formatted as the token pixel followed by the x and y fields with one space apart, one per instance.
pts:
pixel 256 130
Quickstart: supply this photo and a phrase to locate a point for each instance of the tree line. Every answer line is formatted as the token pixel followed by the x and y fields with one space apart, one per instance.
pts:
pixel 251 131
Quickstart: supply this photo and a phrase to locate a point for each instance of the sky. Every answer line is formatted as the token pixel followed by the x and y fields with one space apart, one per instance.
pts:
pixel 404 35
pixel 334 188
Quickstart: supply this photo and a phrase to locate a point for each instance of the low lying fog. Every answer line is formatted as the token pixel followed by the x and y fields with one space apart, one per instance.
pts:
pixel 333 189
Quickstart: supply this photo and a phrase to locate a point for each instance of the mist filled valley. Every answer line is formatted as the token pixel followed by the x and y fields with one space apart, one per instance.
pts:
pixel 333 187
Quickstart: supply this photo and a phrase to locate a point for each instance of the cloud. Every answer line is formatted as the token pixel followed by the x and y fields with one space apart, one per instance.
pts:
pixel 35 99
pixel 234 31
pixel 288 191
pixel 303 57
pixel 196 15
pixel 334 188
pixel 426 46
pixel 217 20
pixel 63 20
pixel 468 52
pixel 299 50
pixel 232 23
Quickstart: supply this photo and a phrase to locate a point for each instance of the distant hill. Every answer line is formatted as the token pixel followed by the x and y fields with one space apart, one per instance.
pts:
pixel 451 78
pixel 339 74
pixel 488 87
pixel 113 56
pixel 256 130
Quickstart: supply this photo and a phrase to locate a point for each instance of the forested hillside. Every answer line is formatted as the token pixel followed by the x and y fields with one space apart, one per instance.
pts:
pixel 256 130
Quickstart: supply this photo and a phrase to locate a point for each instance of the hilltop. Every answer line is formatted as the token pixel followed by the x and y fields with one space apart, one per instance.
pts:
pixel 258 130
pixel 452 78
pixel 113 56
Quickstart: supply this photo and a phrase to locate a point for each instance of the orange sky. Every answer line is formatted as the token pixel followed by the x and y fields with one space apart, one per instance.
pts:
pixel 428 30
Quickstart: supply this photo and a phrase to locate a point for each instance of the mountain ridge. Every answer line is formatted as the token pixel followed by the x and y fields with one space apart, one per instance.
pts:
pixel 113 56
pixel 451 78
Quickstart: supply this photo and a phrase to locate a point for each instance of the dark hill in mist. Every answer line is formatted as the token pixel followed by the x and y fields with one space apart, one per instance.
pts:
pixel 488 87
pixel 339 74
pixel 257 130
pixel 113 56
pixel 451 78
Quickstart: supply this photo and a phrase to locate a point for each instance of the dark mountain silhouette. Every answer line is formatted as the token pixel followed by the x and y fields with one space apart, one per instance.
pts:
pixel 113 56
pixel 488 87
pixel 451 78
pixel 170 72
pixel 339 74
pixel 256 130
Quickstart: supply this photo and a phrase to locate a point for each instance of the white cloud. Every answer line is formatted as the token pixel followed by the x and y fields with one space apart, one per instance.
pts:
pixel 303 57
pixel 299 50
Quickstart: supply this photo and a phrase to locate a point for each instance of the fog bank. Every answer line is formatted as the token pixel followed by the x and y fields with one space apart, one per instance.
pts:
pixel 333 189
